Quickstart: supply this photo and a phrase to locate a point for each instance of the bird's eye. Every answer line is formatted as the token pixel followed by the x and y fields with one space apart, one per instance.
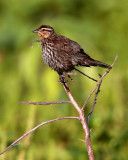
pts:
pixel 43 30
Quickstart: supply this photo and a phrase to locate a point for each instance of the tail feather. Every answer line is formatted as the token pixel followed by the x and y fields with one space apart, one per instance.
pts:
pixel 92 62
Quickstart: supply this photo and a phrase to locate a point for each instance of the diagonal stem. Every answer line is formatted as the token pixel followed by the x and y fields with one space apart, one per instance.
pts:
pixel 93 105
pixel 86 75
pixel 83 122
pixel 99 82
pixel 32 130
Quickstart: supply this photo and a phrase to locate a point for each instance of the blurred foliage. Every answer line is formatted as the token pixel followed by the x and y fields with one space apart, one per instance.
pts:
pixel 101 27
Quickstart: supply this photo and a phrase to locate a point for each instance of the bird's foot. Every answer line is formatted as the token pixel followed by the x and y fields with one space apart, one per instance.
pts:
pixel 62 79
pixel 63 82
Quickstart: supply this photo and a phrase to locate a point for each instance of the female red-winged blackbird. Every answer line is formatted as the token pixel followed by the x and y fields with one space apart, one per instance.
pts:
pixel 63 54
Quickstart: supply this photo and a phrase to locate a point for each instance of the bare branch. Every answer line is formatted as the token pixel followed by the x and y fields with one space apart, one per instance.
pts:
pixel 82 120
pixel 99 82
pixel 45 103
pixel 77 107
pixel 95 100
pixel 32 130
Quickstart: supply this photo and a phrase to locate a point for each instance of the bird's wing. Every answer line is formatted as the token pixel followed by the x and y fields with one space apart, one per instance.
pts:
pixel 70 47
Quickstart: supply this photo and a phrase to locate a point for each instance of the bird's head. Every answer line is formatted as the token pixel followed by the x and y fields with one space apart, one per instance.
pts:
pixel 44 31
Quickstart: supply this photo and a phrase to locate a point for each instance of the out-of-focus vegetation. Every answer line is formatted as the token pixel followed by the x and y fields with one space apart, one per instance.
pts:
pixel 101 27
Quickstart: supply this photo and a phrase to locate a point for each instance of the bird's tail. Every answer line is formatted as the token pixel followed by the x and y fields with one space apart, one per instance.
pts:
pixel 92 62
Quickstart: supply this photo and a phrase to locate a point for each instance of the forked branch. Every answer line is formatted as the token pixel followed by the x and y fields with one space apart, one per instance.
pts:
pixel 80 111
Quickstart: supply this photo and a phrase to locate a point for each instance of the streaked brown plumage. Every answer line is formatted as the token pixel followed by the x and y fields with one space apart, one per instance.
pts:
pixel 63 54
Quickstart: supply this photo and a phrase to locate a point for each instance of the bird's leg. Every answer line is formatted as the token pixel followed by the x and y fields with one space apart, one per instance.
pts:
pixel 62 81
pixel 34 41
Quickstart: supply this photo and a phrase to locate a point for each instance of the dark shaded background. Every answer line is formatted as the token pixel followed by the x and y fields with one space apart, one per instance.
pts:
pixel 101 27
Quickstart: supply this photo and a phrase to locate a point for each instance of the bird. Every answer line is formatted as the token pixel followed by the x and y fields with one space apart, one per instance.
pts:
pixel 63 54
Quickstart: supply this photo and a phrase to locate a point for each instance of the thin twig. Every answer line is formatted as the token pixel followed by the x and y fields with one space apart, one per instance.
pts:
pixel 99 82
pixel 45 103
pixel 95 100
pixel 32 130
pixel 34 41
pixel 82 140
pixel 86 75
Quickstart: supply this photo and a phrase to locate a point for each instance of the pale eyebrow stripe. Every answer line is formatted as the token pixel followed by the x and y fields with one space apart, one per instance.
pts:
pixel 48 29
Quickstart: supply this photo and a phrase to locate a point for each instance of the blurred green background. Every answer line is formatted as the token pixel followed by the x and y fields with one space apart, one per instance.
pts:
pixel 101 28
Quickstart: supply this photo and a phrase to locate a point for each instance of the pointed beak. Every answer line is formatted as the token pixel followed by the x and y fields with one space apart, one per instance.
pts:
pixel 36 31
